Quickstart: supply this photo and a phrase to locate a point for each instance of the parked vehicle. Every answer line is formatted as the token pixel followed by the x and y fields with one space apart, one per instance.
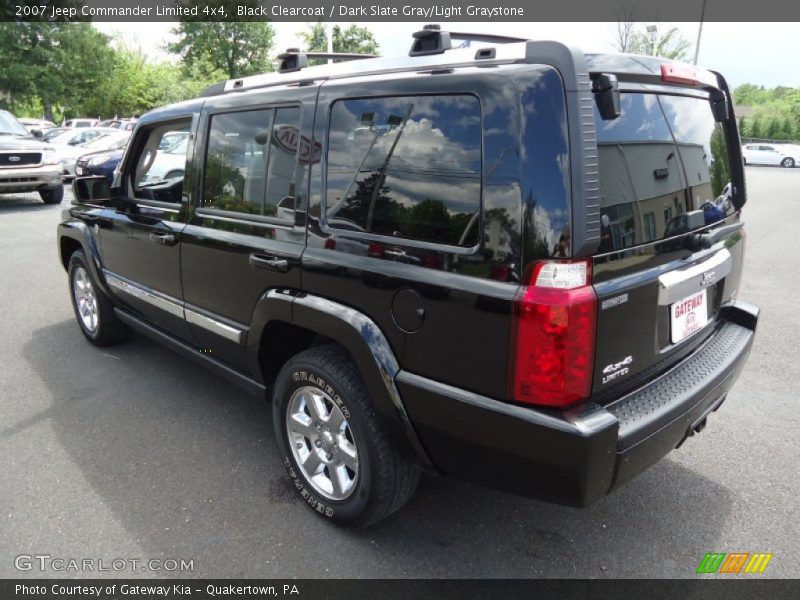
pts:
pixel 170 159
pixel 784 155
pixel 102 162
pixel 26 164
pixel 51 133
pixel 37 127
pixel 74 142
pixel 430 265
pixel 123 124
pixel 81 123
pixel 112 141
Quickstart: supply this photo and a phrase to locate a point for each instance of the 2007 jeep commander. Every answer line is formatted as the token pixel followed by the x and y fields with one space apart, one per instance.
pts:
pixel 517 265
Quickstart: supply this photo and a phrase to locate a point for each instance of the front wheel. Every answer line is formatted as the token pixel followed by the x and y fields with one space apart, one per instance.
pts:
pixel 332 443
pixel 787 162
pixel 94 311
pixel 52 195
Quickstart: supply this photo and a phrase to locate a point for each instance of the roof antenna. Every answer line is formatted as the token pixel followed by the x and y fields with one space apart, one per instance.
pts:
pixel 431 40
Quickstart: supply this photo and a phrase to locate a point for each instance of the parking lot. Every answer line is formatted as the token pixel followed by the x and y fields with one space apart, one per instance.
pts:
pixel 133 452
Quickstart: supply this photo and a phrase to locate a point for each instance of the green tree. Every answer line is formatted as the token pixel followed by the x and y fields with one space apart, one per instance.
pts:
pixel 353 40
pixel 57 66
pixel 236 48
pixel 670 44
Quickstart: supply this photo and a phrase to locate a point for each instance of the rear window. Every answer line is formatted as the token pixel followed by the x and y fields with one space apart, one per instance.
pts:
pixel 663 157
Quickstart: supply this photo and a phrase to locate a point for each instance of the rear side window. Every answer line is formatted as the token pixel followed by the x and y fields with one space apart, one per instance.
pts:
pixel 406 167
pixel 251 161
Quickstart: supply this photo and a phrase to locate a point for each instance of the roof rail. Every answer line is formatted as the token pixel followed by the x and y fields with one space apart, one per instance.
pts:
pixel 294 60
pixel 486 37
pixel 432 40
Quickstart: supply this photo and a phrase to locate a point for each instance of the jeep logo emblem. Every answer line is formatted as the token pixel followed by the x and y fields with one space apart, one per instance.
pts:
pixel 13 159
pixel 707 278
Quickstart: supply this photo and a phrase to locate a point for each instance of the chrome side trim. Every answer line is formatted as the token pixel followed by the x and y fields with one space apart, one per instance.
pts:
pixel 675 285
pixel 175 307
pixel 144 294
pixel 217 327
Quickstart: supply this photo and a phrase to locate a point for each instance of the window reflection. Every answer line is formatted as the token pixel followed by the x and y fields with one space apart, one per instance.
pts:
pixel 407 167
pixel 664 157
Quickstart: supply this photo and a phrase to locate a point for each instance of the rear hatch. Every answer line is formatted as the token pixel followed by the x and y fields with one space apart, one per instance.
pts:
pixel 671 245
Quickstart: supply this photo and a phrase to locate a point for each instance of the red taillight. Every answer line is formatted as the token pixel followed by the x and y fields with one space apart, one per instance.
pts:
pixel 330 244
pixel 675 73
pixel 555 319
pixel 375 250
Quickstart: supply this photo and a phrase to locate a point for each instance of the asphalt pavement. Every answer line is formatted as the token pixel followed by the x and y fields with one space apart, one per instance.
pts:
pixel 135 453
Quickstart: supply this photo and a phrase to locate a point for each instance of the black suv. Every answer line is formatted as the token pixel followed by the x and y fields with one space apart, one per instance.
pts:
pixel 455 262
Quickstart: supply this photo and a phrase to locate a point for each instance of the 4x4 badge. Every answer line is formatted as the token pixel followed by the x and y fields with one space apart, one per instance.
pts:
pixel 618 369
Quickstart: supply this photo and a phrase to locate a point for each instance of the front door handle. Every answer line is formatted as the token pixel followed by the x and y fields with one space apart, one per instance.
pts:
pixel 166 239
pixel 269 263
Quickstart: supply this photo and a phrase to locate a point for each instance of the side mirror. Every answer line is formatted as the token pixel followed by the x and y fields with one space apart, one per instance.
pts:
pixel 37 133
pixel 91 190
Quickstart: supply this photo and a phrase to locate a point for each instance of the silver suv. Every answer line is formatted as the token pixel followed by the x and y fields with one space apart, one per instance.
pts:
pixel 26 164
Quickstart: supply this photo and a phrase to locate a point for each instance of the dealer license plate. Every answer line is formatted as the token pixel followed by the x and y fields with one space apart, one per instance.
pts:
pixel 688 316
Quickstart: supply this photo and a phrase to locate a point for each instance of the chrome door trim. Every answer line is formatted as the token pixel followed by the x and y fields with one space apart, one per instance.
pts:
pixel 219 328
pixel 175 307
pixel 145 294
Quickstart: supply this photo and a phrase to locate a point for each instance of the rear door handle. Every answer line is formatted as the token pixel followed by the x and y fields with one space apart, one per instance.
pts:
pixel 269 263
pixel 166 239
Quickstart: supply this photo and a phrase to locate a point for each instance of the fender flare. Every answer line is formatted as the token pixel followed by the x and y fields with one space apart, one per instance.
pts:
pixel 359 335
pixel 77 230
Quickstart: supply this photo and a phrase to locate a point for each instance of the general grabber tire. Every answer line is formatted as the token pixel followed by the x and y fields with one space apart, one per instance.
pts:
pixel 94 311
pixel 341 461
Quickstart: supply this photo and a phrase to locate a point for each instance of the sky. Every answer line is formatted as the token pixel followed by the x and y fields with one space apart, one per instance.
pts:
pixel 759 53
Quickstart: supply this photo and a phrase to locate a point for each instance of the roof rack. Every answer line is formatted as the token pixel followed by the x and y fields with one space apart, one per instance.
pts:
pixel 294 60
pixel 432 40
pixel 490 38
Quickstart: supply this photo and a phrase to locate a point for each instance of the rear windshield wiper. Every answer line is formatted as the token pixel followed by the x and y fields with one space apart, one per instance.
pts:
pixel 704 241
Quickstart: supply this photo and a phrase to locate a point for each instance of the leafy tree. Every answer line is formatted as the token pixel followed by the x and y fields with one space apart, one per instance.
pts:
pixel 630 38
pixel 237 48
pixel 670 45
pixel 55 65
pixel 353 40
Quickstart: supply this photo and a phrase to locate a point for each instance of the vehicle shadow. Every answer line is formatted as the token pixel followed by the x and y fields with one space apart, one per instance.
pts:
pixel 22 202
pixel 187 466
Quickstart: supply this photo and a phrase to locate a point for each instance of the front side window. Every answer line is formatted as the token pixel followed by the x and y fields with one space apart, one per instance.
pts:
pixel 158 174
pixel 251 160
pixel 406 167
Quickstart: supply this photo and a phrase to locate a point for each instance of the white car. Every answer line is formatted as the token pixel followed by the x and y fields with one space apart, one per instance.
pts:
pixel 785 155
pixel 82 123
pixel 168 164
pixel 77 142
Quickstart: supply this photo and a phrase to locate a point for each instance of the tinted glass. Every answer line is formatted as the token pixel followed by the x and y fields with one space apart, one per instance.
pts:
pixel 661 158
pixel 407 167
pixel 281 162
pixel 235 173
pixel 156 168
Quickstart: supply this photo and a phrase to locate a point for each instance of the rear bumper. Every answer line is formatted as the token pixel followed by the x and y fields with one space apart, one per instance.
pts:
pixel 26 179
pixel 576 457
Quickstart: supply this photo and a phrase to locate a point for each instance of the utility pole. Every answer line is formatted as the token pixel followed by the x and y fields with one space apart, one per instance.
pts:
pixel 699 32
pixel 652 30
pixel 329 35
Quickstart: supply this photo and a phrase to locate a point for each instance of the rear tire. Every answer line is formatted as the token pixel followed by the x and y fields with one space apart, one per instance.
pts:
pixel 94 310
pixel 787 163
pixel 52 195
pixel 332 443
